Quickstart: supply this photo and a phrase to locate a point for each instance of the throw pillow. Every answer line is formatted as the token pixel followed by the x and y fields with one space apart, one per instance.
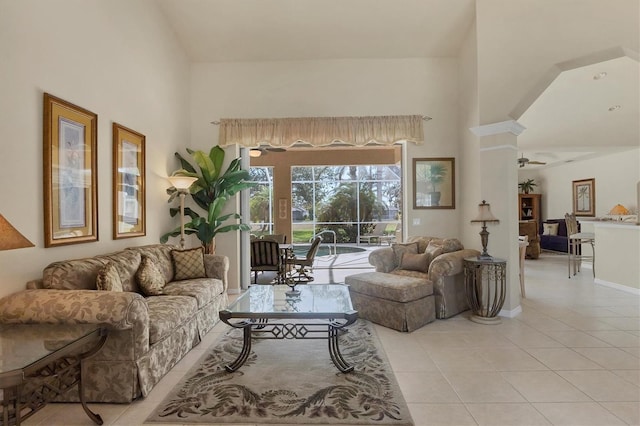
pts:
pixel 434 249
pixel 188 264
pixel 108 278
pixel 400 249
pixel 415 262
pixel 150 278
pixel 550 229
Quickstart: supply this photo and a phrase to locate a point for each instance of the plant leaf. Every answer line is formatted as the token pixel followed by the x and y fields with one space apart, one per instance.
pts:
pixel 184 163
pixel 216 155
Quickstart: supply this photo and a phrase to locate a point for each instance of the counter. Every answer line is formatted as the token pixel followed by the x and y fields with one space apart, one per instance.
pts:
pixel 617 255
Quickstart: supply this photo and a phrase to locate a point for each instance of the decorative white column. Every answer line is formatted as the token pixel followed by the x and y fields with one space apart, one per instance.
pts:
pixel 499 187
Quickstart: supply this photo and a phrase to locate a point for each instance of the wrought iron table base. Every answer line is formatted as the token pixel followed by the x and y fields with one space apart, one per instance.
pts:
pixel 261 329
pixel 46 379
pixel 485 281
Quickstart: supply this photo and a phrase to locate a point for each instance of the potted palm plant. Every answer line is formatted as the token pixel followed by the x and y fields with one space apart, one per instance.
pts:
pixel 527 186
pixel 211 191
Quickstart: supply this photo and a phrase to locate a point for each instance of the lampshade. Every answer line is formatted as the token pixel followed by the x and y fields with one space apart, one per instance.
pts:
pixel 255 153
pixel 619 209
pixel 182 182
pixel 484 213
pixel 10 238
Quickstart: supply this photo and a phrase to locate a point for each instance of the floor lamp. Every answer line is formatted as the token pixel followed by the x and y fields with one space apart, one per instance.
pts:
pixel 182 184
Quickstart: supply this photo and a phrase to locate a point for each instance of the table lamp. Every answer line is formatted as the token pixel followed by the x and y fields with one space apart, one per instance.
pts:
pixel 10 238
pixel 182 184
pixel 484 216
pixel 619 210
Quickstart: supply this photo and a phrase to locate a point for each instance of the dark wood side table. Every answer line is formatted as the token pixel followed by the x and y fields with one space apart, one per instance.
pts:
pixel 38 362
pixel 486 285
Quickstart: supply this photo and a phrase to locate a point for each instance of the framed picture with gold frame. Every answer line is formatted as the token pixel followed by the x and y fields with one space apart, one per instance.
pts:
pixel 434 183
pixel 584 197
pixel 129 207
pixel 70 141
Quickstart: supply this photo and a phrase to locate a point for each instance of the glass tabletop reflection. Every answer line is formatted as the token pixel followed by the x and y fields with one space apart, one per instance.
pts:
pixel 278 300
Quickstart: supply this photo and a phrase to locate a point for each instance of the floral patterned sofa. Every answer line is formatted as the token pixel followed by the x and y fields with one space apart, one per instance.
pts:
pixel 412 280
pixel 148 334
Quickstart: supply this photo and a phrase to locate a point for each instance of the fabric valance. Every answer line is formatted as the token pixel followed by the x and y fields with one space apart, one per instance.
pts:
pixel 320 131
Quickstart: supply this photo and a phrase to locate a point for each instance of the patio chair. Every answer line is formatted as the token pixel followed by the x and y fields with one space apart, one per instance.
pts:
pixel 376 234
pixel 389 236
pixel 265 256
pixel 305 264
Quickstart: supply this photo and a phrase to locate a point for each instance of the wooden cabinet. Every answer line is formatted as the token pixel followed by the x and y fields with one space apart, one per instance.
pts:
pixel 529 207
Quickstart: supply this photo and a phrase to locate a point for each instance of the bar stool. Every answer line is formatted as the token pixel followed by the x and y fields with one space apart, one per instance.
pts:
pixel 575 241
pixel 523 242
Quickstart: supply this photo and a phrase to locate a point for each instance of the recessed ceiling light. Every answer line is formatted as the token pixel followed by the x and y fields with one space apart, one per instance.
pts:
pixel 600 75
pixel 614 108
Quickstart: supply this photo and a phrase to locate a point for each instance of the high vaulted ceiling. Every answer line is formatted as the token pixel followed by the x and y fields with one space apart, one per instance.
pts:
pixel 568 120
pixel 276 30
pixel 586 111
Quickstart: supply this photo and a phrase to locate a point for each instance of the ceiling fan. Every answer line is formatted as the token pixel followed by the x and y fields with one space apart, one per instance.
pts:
pixel 522 161
pixel 264 150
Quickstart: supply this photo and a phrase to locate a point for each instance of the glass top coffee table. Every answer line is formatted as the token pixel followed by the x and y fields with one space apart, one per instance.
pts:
pixel 40 361
pixel 277 312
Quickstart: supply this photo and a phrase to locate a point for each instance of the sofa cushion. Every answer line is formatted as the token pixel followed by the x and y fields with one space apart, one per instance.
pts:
pixel 400 249
pixel 108 278
pixel 408 273
pixel 167 313
pixel 127 263
pixel 415 262
pixel 204 290
pixel 422 241
pixel 550 228
pixel 161 255
pixel 562 226
pixel 434 249
pixel 77 274
pixel 150 278
pixel 390 286
pixel 188 264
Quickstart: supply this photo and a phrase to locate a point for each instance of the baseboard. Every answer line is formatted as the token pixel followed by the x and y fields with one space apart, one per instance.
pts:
pixel 617 286
pixel 512 313
pixel 233 291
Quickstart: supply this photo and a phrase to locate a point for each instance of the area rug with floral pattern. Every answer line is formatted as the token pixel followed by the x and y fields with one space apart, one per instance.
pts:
pixel 289 382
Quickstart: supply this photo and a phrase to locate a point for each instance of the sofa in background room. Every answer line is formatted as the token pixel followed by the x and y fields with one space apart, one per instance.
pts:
pixel 552 238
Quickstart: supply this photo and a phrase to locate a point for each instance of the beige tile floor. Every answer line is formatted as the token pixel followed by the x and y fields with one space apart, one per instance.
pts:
pixel 572 357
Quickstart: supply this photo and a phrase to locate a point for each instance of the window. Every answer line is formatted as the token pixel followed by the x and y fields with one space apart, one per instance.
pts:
pixel 261 200
pixel 345 199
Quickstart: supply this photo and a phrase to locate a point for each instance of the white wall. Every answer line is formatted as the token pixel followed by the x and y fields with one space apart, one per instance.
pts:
pixel 113 57
pixel 336 88
pixel 616 178
pixel 471 194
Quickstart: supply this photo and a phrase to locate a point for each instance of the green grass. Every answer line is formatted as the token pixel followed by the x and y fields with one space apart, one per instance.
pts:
pixel 302 236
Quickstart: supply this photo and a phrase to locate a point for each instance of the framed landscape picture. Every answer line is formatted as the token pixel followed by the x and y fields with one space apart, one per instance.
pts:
pixel 434 185
pixel 584 197
pixel 129 214
pixel 70 173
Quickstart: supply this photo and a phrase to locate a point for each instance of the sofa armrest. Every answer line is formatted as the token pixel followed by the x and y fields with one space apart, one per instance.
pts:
pixel 217 266
pixel 114 310
pixel 449 264
pixel 383 259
